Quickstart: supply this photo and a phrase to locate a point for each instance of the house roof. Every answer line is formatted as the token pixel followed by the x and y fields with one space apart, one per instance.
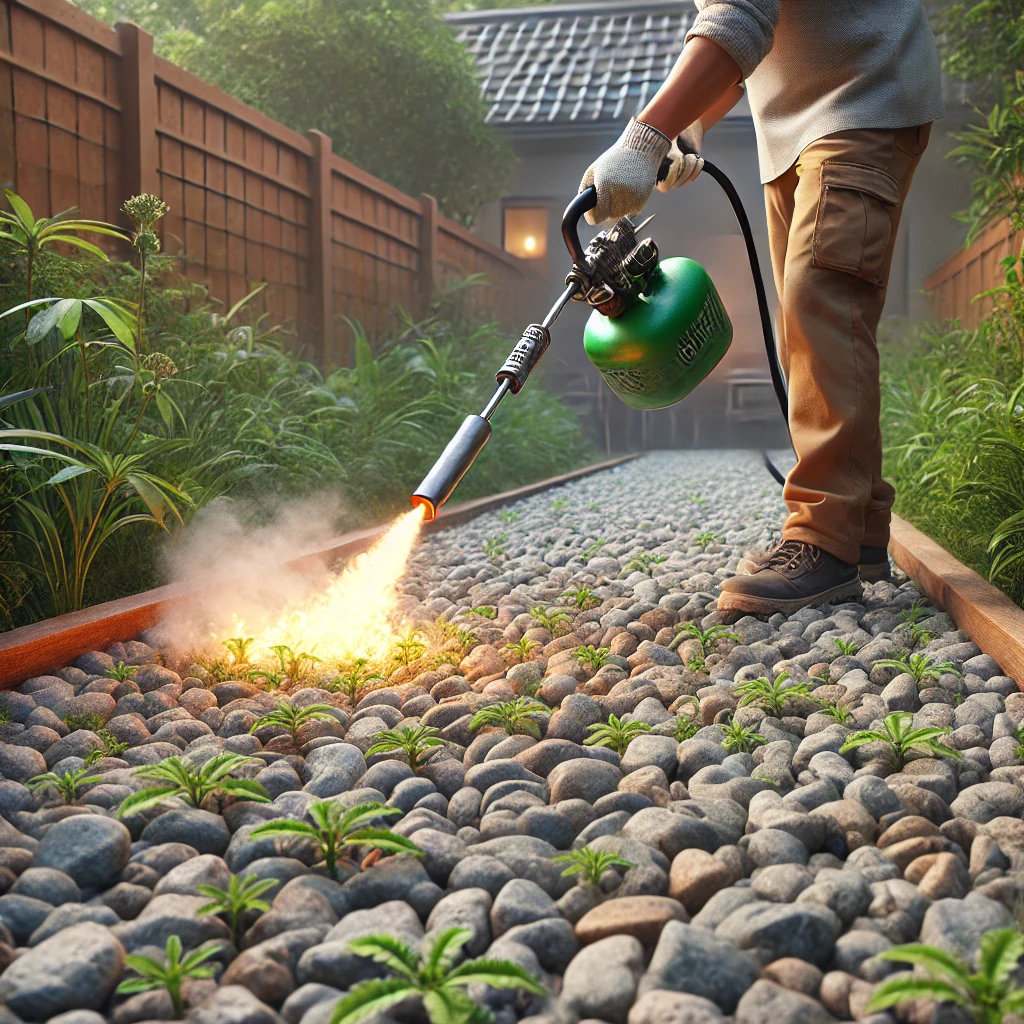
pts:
pixel 564 65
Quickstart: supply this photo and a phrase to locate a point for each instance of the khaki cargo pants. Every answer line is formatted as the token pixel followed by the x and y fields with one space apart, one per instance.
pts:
pixel 832 221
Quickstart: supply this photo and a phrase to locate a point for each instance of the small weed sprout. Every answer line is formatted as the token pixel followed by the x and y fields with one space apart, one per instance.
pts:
pixel 292 718
pixel 771 695
pixel 521 651
pixel 615 734
pixel 239 648
pixel 508 515
pixel 582 597
pixel 408 649
pixel 89 721
pixel 354 681
pixel 121 672
pixel 271 678
pixel 685 728
pixel 592 657
pixel 167 975
pixel 840 711
pixel 644 562
pixel 558 504
pixel 555 621
pixel 918 635
pixel 295 663
pixel 708 637
pixel 415 742
pixel 705 540
pixel 592 549
pixel 495 548
pixel 900 740
pixel 589 865
pixel 846 647
pixel 485 611
pixel 741 739
pixel 920 666
pixel 514 716
pixel 66 785
pixel 914 614
pixel 240 897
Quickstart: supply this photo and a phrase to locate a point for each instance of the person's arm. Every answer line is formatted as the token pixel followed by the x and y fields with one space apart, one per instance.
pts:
pixel 704 78
pixel 715 113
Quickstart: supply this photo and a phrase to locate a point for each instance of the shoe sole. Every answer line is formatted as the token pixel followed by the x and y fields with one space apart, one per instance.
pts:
pixel 729 602
pixel 875 573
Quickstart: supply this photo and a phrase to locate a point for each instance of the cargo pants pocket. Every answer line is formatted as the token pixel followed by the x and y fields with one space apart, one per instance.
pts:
pixel 853 225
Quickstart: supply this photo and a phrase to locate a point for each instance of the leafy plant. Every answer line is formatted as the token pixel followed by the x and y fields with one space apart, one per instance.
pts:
pixel 511 715
pixel 295 663
pixel 771 694
pixel 644 562
pixel 168 975
pixel 988 995
pixel 589 865
pixel 431 977
pixel 485 611
pixel 67 784
pixel 918 635
pixel 846 647
pixel 920 666
pixel 415 743
pixel 240 897
pixel 353 681
pixel 180 780
pixel 334 830
pixel 592 549
pixel 705 540
pixel 551 619
pixel 408 648
pixel 901 740
pixel 741 739
pixel 239 648
pixel 582 597
pixel 592 657
pixel 1020 741
pixel 521 650
pixel 559 504
pixel 270 678
pixel 31 235
pixel 495 548
pixel 685 728
pixel 615 734
pixel 112 746
pixel 293 717
pixel 708 637
pixel 88 720
pixel 914 614
pixel 508 515
pixel 144 211
pixel 121 672
pixel 840 711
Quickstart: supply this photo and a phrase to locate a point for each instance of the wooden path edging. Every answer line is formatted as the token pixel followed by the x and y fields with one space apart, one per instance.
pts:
pixel 984 613
pixel 48 645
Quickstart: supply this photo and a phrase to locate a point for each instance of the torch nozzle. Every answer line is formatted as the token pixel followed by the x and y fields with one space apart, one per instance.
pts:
pixel 452 465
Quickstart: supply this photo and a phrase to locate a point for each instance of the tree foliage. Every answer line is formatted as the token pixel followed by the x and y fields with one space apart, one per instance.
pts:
pixel 385 79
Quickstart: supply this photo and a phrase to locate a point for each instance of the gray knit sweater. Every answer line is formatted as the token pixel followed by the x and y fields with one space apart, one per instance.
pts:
pixel 814 67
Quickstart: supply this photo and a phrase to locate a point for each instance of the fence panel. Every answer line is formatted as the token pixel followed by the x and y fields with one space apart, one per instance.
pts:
pixel 968 273
pixel 89 116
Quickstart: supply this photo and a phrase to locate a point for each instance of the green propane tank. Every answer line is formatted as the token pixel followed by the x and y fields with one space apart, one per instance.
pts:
pixel 666 342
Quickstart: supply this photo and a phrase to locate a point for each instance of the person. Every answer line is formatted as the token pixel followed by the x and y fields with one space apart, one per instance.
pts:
pixel 842 96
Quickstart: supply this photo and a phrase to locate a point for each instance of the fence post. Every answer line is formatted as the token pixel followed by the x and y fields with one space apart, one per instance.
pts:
pixel 321 255
pixel 428 249
pixel 138 111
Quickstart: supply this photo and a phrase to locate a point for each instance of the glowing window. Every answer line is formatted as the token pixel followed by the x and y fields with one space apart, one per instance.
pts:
pixel 526 231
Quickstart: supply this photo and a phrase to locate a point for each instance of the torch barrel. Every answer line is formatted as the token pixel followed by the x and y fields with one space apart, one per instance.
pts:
pixel 455 460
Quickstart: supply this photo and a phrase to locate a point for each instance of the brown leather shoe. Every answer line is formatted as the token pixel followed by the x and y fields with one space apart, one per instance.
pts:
pixel 795 574
pixel 874 565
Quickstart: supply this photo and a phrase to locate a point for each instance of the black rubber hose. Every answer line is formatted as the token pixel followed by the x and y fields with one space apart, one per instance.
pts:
pixel 774 366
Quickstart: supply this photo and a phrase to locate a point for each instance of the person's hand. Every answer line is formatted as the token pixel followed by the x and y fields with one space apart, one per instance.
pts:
pixel 626 174
pixel 684 159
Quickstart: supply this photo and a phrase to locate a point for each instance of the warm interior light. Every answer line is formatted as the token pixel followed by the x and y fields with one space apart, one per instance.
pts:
pixel 526 231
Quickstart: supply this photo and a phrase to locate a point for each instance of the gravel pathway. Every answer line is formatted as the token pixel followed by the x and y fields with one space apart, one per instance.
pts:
pixel 761 871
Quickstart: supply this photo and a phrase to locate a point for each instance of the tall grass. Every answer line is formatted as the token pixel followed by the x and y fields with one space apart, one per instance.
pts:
pixel 213 405
pixel 953 423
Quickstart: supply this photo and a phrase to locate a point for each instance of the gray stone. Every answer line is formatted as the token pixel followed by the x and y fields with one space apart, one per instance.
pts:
pixel 856 946
pixel 333 769
pixel 721 905
pixel 469 909
pixel 184 879
pixel 47 884
pixel 71 914
pixel 647 750
pixel 76 969
pixel 670 832
pixel 660 1007
pixel 92 849
pixel 688 959
pixel 766 1001
pixel 602 979
pixel 774 846
pixel 846 893
pixel 583 779
pixel 520 902
pixel 22 915
pixel 781 883
pixel 807 931
pixel 306 996
pixel 232 1004
pixel 988 800
pixel 552 940
pixel 694 754
pixel 958 925
pixel 874 794
pixel 202 830
pixel 170 915
pixel 480 872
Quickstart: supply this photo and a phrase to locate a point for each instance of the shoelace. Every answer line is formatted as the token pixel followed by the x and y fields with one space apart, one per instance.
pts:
pixel 789 554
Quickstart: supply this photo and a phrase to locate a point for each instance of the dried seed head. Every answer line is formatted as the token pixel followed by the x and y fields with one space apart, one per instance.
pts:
pixel 162 367
pixel 145 210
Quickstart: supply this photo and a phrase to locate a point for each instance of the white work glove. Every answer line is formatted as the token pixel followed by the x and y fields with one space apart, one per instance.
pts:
pixel 626 174
pixel 685 161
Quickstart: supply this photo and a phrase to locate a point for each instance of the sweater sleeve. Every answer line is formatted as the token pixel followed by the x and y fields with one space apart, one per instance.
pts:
pixel 745 29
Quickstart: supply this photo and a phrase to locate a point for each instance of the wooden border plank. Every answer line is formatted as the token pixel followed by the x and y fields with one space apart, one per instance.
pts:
pixel 48 645
pixel 984 613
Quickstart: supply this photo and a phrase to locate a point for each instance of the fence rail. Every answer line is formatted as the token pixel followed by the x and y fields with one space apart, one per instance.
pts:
pixel 89 116
pixel 970 272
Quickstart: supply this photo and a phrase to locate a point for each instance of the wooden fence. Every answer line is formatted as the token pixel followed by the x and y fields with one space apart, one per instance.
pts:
pixel 969 272
pixel 89 116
